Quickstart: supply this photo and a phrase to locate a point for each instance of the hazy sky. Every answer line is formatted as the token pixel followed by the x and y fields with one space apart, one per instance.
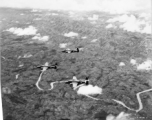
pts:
pixel 105 5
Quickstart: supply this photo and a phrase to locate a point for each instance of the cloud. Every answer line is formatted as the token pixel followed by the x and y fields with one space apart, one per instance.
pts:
pixel 94 40
pixel 122 18
pixel 26 31
pixel 112 6
pixel 121 116
pixel 41 38
pixel 132 23
pixel 71 34
pixel 54 14
pixel 133 61
pixel 110 26
pixel 89 90
pixel 121 64
pixel 38 19
pixel 63 45
pixel 28 55
pixel 135 25
pixel 84 37
pixel 147 29
pixel 147 65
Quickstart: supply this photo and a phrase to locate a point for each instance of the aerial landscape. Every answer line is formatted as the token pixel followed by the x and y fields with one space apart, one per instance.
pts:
pixel 75 65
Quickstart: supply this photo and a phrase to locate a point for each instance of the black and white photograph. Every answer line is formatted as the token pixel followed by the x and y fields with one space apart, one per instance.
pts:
pixel 76 59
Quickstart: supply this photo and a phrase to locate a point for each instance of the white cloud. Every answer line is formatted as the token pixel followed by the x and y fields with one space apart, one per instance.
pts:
pixel 26 31
pixel 41 38
pixel 17 76
pixel 84 37
pixel 63 45
pixel 5 90
pixel 89 90
pixel 132 24
pixel 36 37
pixel 110 26
pixel 21 65
pixel 147 65
pixel 94 40
pixel 38 19
pixel 121 64
pixel 133 61
pixel 122 18
pixel 44 38
pixel 28 55
pixel 54 14
pixel 147 29
pixel 121 116
pixel 146 16
pixel 71 34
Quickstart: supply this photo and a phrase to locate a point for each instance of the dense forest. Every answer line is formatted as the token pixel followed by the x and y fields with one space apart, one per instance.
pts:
pixel 99 61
